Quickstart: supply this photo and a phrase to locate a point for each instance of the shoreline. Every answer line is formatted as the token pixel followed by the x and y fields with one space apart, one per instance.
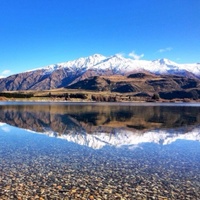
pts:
pixel 72 95
pixel 145 103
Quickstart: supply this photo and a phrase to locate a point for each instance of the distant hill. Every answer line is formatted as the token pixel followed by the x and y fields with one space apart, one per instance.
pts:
pixel 141 84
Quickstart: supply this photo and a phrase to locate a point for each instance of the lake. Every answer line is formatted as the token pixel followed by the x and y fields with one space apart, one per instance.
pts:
pixel 99 151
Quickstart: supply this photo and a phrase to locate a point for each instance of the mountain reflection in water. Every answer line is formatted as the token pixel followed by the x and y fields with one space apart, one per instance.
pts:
pixel 96 125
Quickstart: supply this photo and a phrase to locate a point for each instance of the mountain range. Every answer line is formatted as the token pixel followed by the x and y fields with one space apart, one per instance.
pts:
pixel 115 73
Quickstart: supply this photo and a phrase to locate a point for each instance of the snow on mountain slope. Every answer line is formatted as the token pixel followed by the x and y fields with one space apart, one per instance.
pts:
pixel 75 65
pixel 119 64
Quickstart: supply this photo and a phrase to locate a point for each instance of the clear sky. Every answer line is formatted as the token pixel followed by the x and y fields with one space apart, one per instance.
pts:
pixel 36 33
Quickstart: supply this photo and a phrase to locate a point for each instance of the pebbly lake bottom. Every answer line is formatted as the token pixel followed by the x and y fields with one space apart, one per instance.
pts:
pixel 35 166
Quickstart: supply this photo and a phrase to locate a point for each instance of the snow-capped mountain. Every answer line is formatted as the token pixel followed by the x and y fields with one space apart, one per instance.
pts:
pixel 75 65
pixel 119 64
pixel 64 74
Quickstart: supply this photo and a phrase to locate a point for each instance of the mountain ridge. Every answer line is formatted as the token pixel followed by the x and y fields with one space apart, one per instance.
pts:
pixel 100 61
pixel 67 73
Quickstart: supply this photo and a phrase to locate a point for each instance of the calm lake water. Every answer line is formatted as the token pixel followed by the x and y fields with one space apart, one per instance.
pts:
pixel 99 151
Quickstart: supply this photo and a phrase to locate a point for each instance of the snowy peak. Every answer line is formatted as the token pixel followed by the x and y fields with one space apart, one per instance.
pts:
pixel 93 60
pixel 97 57
pixel 81 63
pixel 120 64
pixel 165 61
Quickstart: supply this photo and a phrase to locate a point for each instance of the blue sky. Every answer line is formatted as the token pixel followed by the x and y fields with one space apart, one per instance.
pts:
pixel 36 33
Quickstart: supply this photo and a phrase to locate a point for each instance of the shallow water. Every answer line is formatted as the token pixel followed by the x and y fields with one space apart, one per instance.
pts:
pixel 105 151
